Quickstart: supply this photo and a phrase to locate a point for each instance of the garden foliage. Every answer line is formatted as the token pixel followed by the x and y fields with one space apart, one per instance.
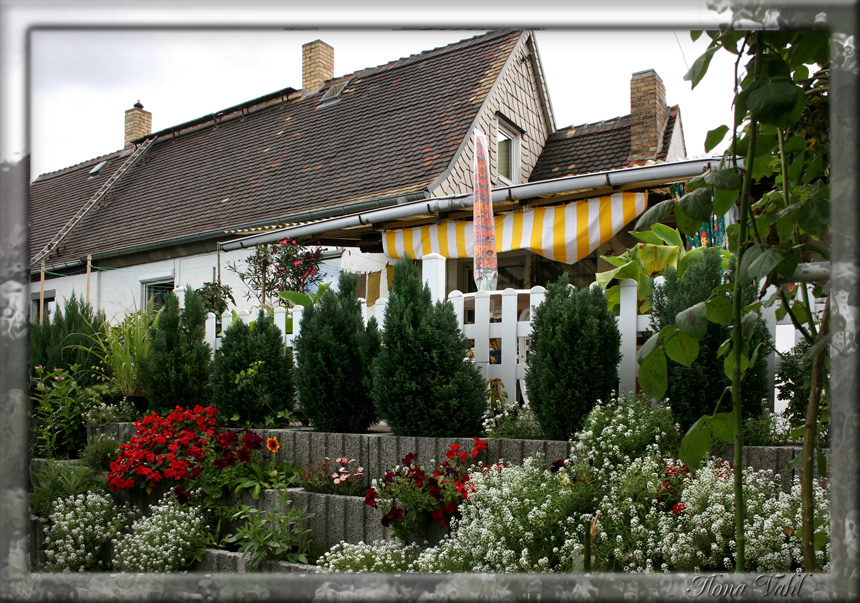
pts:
pixel 573 357
pixel 61 343
pixel 422 383
pixel 59 406
pixel 252 377
pixel 694 390
pixel 334 355
pixel 177 373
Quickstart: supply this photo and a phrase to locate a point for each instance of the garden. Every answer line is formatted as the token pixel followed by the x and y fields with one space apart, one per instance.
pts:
pixel 381 448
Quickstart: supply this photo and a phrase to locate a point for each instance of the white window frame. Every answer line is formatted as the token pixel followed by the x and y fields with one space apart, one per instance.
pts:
pixel 153 286
pixel 507 129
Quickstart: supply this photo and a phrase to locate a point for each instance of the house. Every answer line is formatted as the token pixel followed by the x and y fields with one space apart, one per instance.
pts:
pixel 360 164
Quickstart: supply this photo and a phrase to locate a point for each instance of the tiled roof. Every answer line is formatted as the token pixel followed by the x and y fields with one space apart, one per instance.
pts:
pixel 594 147
pixel 395 129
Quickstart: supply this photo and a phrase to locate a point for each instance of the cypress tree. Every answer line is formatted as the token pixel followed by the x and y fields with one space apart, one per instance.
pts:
pixel 422 385
pixel 334 354
pixel 693 390
pixel 179 365
pixel 252 376
pixel 573 357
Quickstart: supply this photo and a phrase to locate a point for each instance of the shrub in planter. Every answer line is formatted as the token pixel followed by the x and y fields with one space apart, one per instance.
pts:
pixel 63 341
pixel 573 357
pixel 693 391
pixel 422 383
pixel 252 376
pixel 334 353
pixel 179 363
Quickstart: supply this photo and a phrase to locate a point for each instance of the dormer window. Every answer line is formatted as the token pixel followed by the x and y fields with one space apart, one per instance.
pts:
pixel 332 95
pixel 508 152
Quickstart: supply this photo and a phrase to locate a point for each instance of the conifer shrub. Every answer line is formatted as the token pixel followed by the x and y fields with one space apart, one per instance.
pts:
pixel 422 383
pixel 334 355
pixel 63 342
pixel 573 357
pixel 693 391
pixel 178 370
pixel 252 377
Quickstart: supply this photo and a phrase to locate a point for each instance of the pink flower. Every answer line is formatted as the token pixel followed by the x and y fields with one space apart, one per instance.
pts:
pixel 337 481
pixel 297 263
pixel 334 475
pixel 360 469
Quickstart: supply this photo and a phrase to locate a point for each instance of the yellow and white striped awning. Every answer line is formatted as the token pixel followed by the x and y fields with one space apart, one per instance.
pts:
pixel 564 233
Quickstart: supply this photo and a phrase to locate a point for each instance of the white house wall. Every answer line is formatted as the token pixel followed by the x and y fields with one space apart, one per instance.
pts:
pixel 118 292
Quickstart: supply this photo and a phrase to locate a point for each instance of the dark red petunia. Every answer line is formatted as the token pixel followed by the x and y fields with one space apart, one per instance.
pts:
pixel 370 498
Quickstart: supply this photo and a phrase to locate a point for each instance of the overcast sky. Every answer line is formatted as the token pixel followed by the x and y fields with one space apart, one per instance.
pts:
pixel 81 81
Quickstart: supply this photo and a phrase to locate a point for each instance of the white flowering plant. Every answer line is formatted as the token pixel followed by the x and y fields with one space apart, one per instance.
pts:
pixel 379 556
pixel 80 530
pixel 170 539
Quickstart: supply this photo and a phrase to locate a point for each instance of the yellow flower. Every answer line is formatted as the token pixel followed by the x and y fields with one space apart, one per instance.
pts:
pixel 272 444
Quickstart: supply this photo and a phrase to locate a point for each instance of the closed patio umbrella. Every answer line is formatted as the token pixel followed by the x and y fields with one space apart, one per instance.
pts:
pixel 486 262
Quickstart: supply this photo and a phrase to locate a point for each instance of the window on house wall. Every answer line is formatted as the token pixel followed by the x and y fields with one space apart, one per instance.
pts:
pixel 50 306
pixel 153 292
pixel 508 151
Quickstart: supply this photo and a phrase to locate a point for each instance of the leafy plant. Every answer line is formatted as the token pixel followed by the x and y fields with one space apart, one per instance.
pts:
pixel 781 130
pixel 276 267
pixel 58 414
pixel 573 357
pixel 407 495
pixel 214 296
pixel 422 383
pixel 696 387
pixel 794 384
pixel 62 342
pixel 102 412
pixel 508 419
pixel 178 370
pixel 98 454
pixel 252 377
pixel 334 355
pixel 277 535
pixel 344 479
pixel 52 480
pixel 275 476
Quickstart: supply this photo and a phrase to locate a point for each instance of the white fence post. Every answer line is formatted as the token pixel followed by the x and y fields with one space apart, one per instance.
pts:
pixel 482 332
pixel 508 335
pixel 433 268
pixel 769 315
pixel 627 320
pixel 210 332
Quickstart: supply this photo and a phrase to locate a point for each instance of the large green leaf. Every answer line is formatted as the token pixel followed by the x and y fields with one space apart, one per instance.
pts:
pixel 749 322
pixel 649 346
pixel 296 298
pixel 814 215
pixel 669 235
pixel 773 102
pixel 719 310
pixel 653 377
pixel 656 213
pixel 695 444
pixel 722 425
pixel 693 321
pixel 697 204
pixel 715 137
pixel 724 200
pixel 700 66
pixel 681 348
pixel 655 258
pixel 686 224
pixel 647 236
pixel 628 270
pixel 724 179
pixel 764 262
pixel 729 364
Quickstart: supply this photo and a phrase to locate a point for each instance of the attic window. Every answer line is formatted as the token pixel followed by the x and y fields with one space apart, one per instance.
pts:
pixel 508 151
pixel 97 168
pixel 332 95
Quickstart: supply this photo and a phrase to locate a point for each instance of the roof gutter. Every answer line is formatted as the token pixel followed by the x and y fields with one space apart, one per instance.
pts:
pixel 665 172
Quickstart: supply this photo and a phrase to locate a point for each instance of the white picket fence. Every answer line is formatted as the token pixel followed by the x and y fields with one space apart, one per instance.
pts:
pixel 499 324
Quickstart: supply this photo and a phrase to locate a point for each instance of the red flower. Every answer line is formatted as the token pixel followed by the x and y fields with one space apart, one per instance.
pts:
pixel 452 450
pixel 440 515
pixel 479 446
pixel 409 459
pixel 370 498
pixel 677 508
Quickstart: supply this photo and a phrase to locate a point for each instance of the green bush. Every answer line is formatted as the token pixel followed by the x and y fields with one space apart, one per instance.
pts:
pixel 794 382
pixel 573 357
pixel 252 376
pixel 334 353
pixel 693 391
pixel 177 373
pixel 422 383
pixel 98 454
pixel 52 480
pixel 64 341
pixel 59 406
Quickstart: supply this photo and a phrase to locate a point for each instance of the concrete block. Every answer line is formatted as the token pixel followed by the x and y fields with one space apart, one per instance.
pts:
pixel 426 450
pixel 761 458
pixel 317 505
pixel 374 456
pixel 405 445
pixel 302 455
pixel 337 512
pixel 533 448
pixel 373 529
pixel 493 451
pixel 511 451
pixel 556 449
pixel 354 519
pixel 334 446
pixel 389 454
pixel 318 449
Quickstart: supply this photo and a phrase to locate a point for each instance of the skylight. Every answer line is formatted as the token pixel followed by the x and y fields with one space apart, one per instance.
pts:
pixel 332 95
pixel 97 168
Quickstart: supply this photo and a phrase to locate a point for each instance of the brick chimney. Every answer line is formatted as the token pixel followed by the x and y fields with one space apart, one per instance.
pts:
pixel 648 115
pixel 317 65
pixel 137 123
